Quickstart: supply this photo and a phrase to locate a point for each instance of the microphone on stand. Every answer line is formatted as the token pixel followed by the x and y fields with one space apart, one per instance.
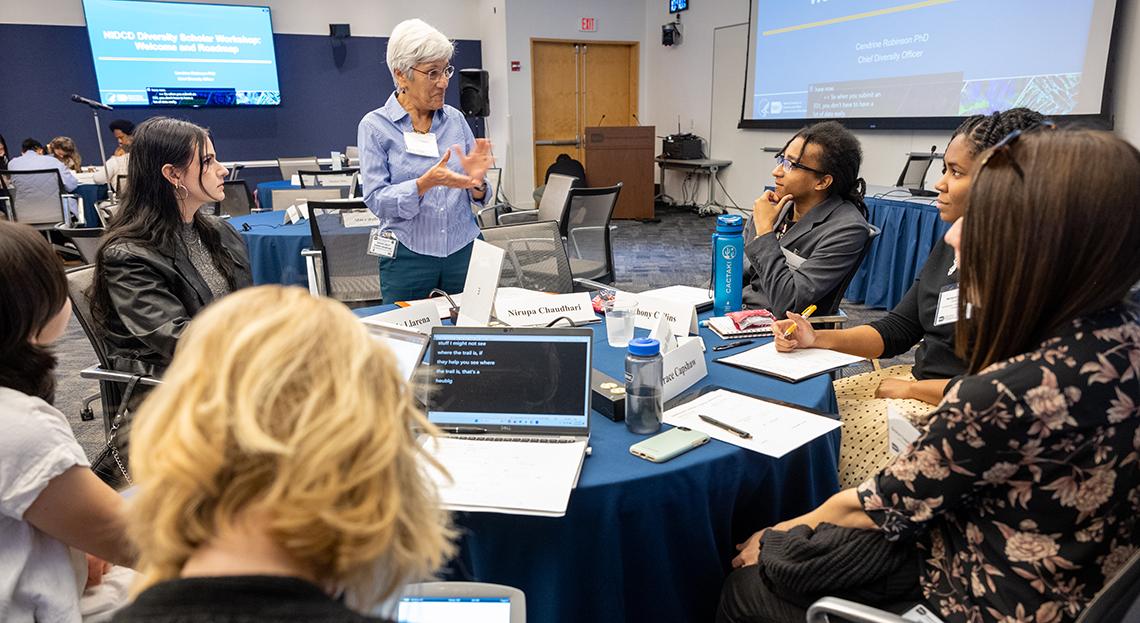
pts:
pixel 89 102
pixel 601 120
pixel 635 118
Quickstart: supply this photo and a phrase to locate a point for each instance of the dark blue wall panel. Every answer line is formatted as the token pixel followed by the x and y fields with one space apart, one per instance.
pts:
pixel 321 103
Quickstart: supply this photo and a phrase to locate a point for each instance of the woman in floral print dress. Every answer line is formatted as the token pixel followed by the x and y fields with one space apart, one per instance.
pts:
pixel 1022 495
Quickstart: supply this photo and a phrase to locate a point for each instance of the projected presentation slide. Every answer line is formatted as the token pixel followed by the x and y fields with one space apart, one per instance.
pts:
pixel 817 59
pixel 175 54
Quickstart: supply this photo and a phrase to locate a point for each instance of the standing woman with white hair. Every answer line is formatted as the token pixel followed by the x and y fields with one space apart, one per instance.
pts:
pixel 421 191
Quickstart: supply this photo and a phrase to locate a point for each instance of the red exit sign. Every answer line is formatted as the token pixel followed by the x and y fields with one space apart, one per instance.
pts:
pixel 588 25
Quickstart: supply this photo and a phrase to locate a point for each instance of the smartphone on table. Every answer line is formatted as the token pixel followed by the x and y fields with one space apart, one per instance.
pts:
pixel 664 446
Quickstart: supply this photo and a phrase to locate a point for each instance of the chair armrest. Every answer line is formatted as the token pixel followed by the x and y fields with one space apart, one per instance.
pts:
pixel 80 209
pixel 97 373
pixel 518 216
pixel 591 284
pixel 258 210
pixel 315 270
pixel 849 611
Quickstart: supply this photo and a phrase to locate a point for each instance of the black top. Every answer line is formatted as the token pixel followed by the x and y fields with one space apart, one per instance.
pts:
pixel 913 320
pixel 238 599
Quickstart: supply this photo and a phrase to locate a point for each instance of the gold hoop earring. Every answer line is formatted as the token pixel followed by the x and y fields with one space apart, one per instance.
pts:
pixel 185 190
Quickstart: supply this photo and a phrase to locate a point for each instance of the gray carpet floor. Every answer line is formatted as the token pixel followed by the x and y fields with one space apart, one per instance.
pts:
pixel 675 250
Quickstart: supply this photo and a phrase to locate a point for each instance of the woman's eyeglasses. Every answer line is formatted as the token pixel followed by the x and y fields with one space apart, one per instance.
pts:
pixel 788 165
pixel 1005 146
pixel 435 74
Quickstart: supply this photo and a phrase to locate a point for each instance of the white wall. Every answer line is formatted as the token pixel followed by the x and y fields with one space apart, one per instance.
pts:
pixel 680 82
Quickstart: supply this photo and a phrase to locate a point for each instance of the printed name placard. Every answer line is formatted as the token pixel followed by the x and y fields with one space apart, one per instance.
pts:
pixel 479 288
pixel 359 218
pixel 295 212
pixel 420 316
pixel 682 367
pixel 682 316
pixel 538 310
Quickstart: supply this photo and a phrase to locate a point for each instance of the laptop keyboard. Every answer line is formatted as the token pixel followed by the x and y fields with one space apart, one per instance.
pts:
pixel 534 439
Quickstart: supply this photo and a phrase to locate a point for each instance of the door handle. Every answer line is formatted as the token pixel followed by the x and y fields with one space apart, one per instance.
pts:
pixel 563 141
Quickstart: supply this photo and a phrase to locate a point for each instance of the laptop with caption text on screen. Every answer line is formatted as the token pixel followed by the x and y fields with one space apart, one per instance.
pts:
pixel 509 383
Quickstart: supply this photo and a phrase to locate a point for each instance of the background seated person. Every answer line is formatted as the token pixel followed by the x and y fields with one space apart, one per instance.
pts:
pixel 268 487
pixel 50 501
pixel 32 158
pixel 1020 495
pixel 65 150
pixel 163 260
pixel 804 238
pixel 122 130
pixel 915 320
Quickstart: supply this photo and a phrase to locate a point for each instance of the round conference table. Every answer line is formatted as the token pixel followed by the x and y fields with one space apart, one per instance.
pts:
pixel 275 248
pixel 642 541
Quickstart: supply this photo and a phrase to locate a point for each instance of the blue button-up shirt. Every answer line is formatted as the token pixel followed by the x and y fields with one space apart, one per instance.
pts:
pixel 440 222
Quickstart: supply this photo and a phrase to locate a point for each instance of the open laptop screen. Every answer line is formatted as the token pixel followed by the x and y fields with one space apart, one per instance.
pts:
pixel 510 378
pixel 451 609
pixel 408 346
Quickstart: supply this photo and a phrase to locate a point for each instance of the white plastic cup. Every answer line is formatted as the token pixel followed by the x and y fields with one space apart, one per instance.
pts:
pixel 620 315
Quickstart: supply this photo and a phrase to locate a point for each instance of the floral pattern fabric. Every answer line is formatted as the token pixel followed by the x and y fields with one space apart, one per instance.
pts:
pixel 1023 491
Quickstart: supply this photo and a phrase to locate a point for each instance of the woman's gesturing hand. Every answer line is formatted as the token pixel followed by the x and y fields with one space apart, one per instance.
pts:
pixel 440 175
pixel 477 161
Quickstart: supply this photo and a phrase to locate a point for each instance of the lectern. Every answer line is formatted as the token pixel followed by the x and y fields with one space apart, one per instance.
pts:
pixel 623 154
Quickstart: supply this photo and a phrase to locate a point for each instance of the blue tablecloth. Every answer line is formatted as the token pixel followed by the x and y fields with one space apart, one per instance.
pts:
pixel 91 194
pixel 650 542
pixel 897 255
pixel 274 248
pixel 265 192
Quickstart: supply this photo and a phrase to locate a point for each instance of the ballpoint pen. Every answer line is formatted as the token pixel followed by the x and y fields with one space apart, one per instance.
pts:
pixel 807 314
pixel 732 345
pixel 743 434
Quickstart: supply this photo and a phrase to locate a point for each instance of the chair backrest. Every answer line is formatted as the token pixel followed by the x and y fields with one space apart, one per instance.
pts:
pixel 588 217
pixel 535 257
pixel 120 184
pixel 1115 600
pixel 285 197
pixel 318 178
pixel 235 170
pixel 36 197
pixel 443 602
pixel 494 177
pixel 556 199
pixel 829 304
pixel 86 239
pixel 291 166
pixel 238 200
pixel 79 282
pixel 352 152
pixel 341 231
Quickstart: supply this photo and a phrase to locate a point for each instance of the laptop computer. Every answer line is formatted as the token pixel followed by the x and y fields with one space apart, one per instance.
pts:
pixel 447 602
pixel 407 345
pixel 510 383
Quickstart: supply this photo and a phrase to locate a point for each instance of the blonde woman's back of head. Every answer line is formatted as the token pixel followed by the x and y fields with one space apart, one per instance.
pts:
pixel 280 403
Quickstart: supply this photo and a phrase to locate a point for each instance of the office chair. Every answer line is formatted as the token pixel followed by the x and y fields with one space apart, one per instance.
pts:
pixel 341 231
pixel 87 240
pixel 238 200
pixel 588 216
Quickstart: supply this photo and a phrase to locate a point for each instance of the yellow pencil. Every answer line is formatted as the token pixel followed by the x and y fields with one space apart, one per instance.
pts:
pixel 807 314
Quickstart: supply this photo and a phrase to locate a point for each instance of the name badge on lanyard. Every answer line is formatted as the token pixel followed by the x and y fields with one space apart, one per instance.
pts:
pixel 947 312
pixel 421 144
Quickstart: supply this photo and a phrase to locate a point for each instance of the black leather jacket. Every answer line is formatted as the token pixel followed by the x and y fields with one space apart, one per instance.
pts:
pixel 153 297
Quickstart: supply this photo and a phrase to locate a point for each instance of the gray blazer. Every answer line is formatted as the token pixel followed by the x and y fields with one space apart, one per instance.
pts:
pixel 805 266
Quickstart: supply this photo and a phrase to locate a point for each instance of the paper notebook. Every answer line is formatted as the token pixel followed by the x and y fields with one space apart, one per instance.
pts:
pixel 792 367
pixel 724 327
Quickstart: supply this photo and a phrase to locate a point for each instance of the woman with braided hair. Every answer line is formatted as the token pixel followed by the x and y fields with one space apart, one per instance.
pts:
pixel 924 316
pixel 807 235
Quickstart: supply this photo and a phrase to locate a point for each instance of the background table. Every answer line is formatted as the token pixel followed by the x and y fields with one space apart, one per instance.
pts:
pixel 265 192
pixel 643 541
pixel 274 248
pixel 909 231
pixel 706 166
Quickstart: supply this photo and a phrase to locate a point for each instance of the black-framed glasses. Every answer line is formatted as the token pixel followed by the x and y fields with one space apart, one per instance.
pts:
pixel 435 74
pixel 1005 146
pixel 788 165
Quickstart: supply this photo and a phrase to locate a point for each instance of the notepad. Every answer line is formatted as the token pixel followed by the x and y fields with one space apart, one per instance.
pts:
pixel 792 367
pixel 513 477
pixel 776 428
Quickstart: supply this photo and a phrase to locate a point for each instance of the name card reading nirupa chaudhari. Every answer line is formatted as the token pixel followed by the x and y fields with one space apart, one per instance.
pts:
pixel 535 310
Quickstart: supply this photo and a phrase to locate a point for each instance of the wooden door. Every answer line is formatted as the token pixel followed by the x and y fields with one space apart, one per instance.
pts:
pixel 574 84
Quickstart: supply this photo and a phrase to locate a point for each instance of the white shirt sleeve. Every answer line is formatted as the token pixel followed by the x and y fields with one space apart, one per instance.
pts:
pixel 37 445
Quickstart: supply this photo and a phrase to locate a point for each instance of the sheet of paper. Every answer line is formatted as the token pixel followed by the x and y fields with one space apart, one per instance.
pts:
pixel 776 430
pixel 689 294
pixel 516 477
pixel 794 366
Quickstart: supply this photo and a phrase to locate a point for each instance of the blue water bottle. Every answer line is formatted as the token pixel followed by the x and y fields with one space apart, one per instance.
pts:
pixel 728 264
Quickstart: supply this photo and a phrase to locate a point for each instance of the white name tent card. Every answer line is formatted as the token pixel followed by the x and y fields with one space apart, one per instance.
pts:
pixel 682 367
pixel 479 288
pixel 682 315
pixel 776 429
pixel 540 309
pixel 791 367
pixel 295 212
pixel 359 218
pixel 421 316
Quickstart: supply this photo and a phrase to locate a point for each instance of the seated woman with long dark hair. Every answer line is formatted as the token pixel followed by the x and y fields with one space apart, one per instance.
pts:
pixel 163 260
pixel 805 237
pixel 50 501
pixel 1019 499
